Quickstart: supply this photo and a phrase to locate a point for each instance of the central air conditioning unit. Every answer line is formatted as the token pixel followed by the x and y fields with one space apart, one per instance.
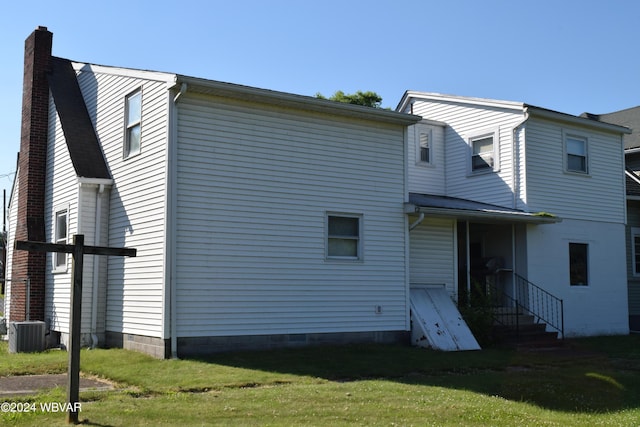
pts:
pixel 26 337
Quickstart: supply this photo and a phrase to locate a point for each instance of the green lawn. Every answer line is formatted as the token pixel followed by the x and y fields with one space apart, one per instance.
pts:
pixel 592 381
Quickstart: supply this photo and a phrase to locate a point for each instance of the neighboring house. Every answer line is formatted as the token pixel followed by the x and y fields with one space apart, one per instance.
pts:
pixel 260 218
pixel 630 118
pixel 505 195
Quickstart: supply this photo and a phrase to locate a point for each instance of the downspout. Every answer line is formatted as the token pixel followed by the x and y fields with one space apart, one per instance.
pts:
pixel 515 175
pixel 96 269
pixel 172 168
pixel 417 221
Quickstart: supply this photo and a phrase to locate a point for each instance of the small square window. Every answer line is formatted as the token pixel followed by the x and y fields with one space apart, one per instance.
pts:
pixel 61 234
pixel 576 150
pixel 343 237
pixel 482 157
pixel 133 124
pixel 579 264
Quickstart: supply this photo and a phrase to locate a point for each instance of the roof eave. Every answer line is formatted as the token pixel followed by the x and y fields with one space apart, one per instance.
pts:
pixel 284 99
pixel 482 215
pixel 534 111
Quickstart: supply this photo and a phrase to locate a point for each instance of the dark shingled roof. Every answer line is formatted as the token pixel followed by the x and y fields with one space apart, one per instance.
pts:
pixel 84 149
pixel 629 118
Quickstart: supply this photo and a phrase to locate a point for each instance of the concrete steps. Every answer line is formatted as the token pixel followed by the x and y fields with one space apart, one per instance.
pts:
pixel 518 329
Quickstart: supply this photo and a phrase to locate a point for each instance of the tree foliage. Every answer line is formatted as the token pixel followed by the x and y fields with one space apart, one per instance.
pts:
pixel 368 98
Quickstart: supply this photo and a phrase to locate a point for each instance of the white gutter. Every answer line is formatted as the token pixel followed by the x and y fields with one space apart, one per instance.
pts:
pixel 417 221
pixel 170 227
pixel 96 268
pixel 483 215
pixel 581 121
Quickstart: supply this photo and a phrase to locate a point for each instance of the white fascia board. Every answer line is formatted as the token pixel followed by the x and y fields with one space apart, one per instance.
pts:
pixel 534 111
pixel 482 215
pixel 302 102
pixel 168 78
pixel 95 181
pixel 433 96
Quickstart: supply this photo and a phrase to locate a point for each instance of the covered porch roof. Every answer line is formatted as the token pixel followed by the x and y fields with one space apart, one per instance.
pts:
pixel 453 207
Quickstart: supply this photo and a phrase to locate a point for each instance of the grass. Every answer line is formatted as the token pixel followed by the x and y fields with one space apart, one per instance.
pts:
pixel 593 381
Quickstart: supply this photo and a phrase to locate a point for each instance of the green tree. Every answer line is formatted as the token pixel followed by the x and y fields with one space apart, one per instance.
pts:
pixel 368 99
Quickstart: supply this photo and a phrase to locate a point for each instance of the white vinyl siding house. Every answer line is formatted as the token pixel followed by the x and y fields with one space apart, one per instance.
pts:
pixel 422 174
pixel 467 122
pixel 12 219
pixel 61 177
pixel 255 185
pixel 135 289
pixel 232 197
pixel 536 161
pixel 433 254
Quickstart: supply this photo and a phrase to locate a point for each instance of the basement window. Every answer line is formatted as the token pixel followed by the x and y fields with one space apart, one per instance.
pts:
pixel 344 240
pixel 133 124
pixel 579 264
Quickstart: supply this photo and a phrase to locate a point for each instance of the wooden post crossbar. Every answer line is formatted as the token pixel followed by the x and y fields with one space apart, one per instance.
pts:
pixel 78 250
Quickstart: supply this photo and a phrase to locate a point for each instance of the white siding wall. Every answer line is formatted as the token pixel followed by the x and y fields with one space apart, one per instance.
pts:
pixel 465 121
pixel 135 285
pixel 254 187
pixel 600 307
pixel 61 192
pixel 597 196
pixel 432 251
pixel 12 217
pixel 426 178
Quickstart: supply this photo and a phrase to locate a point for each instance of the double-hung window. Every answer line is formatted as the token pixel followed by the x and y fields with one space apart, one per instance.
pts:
pixel 576 152
pixel 424 148
pixel 482 153
pixel 635 250
pixel 61 234
pixel 344 236
pixel 133 124
pixel 579 264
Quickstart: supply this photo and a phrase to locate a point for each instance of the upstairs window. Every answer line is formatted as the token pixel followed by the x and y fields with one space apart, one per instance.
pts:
pixel 61 234
pixel 579 264
pixel 133 122
pixel 482 153
pixel 576 152
pixel 425 154
pixel 344 237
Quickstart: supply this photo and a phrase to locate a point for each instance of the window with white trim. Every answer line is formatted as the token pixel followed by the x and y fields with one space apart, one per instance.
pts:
pixel 579 264
pixel 424 147
pixel 576 153
pixel 133 123
pixel 483 152
pixel 61 235
pixel 344 236
pixel 635 250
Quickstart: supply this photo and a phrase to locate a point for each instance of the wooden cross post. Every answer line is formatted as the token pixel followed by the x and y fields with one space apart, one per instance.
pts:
pixel 78 249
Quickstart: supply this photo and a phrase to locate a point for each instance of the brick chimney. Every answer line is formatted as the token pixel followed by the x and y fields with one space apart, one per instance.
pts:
pixel 31 177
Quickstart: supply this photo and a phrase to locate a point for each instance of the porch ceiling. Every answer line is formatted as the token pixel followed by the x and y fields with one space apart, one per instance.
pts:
pixel 453 207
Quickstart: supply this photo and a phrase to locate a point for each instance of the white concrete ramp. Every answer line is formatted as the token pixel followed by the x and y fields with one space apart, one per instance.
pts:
pixel 436 322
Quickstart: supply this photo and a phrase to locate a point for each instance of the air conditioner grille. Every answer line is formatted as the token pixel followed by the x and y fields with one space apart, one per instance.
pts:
pixel 26 337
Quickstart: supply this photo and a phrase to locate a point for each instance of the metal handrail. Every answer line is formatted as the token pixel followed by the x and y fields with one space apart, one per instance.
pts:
pixel 543 305
pixel 530 300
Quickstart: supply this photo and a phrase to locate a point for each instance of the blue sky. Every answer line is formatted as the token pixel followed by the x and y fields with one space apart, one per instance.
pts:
pixel 570 56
